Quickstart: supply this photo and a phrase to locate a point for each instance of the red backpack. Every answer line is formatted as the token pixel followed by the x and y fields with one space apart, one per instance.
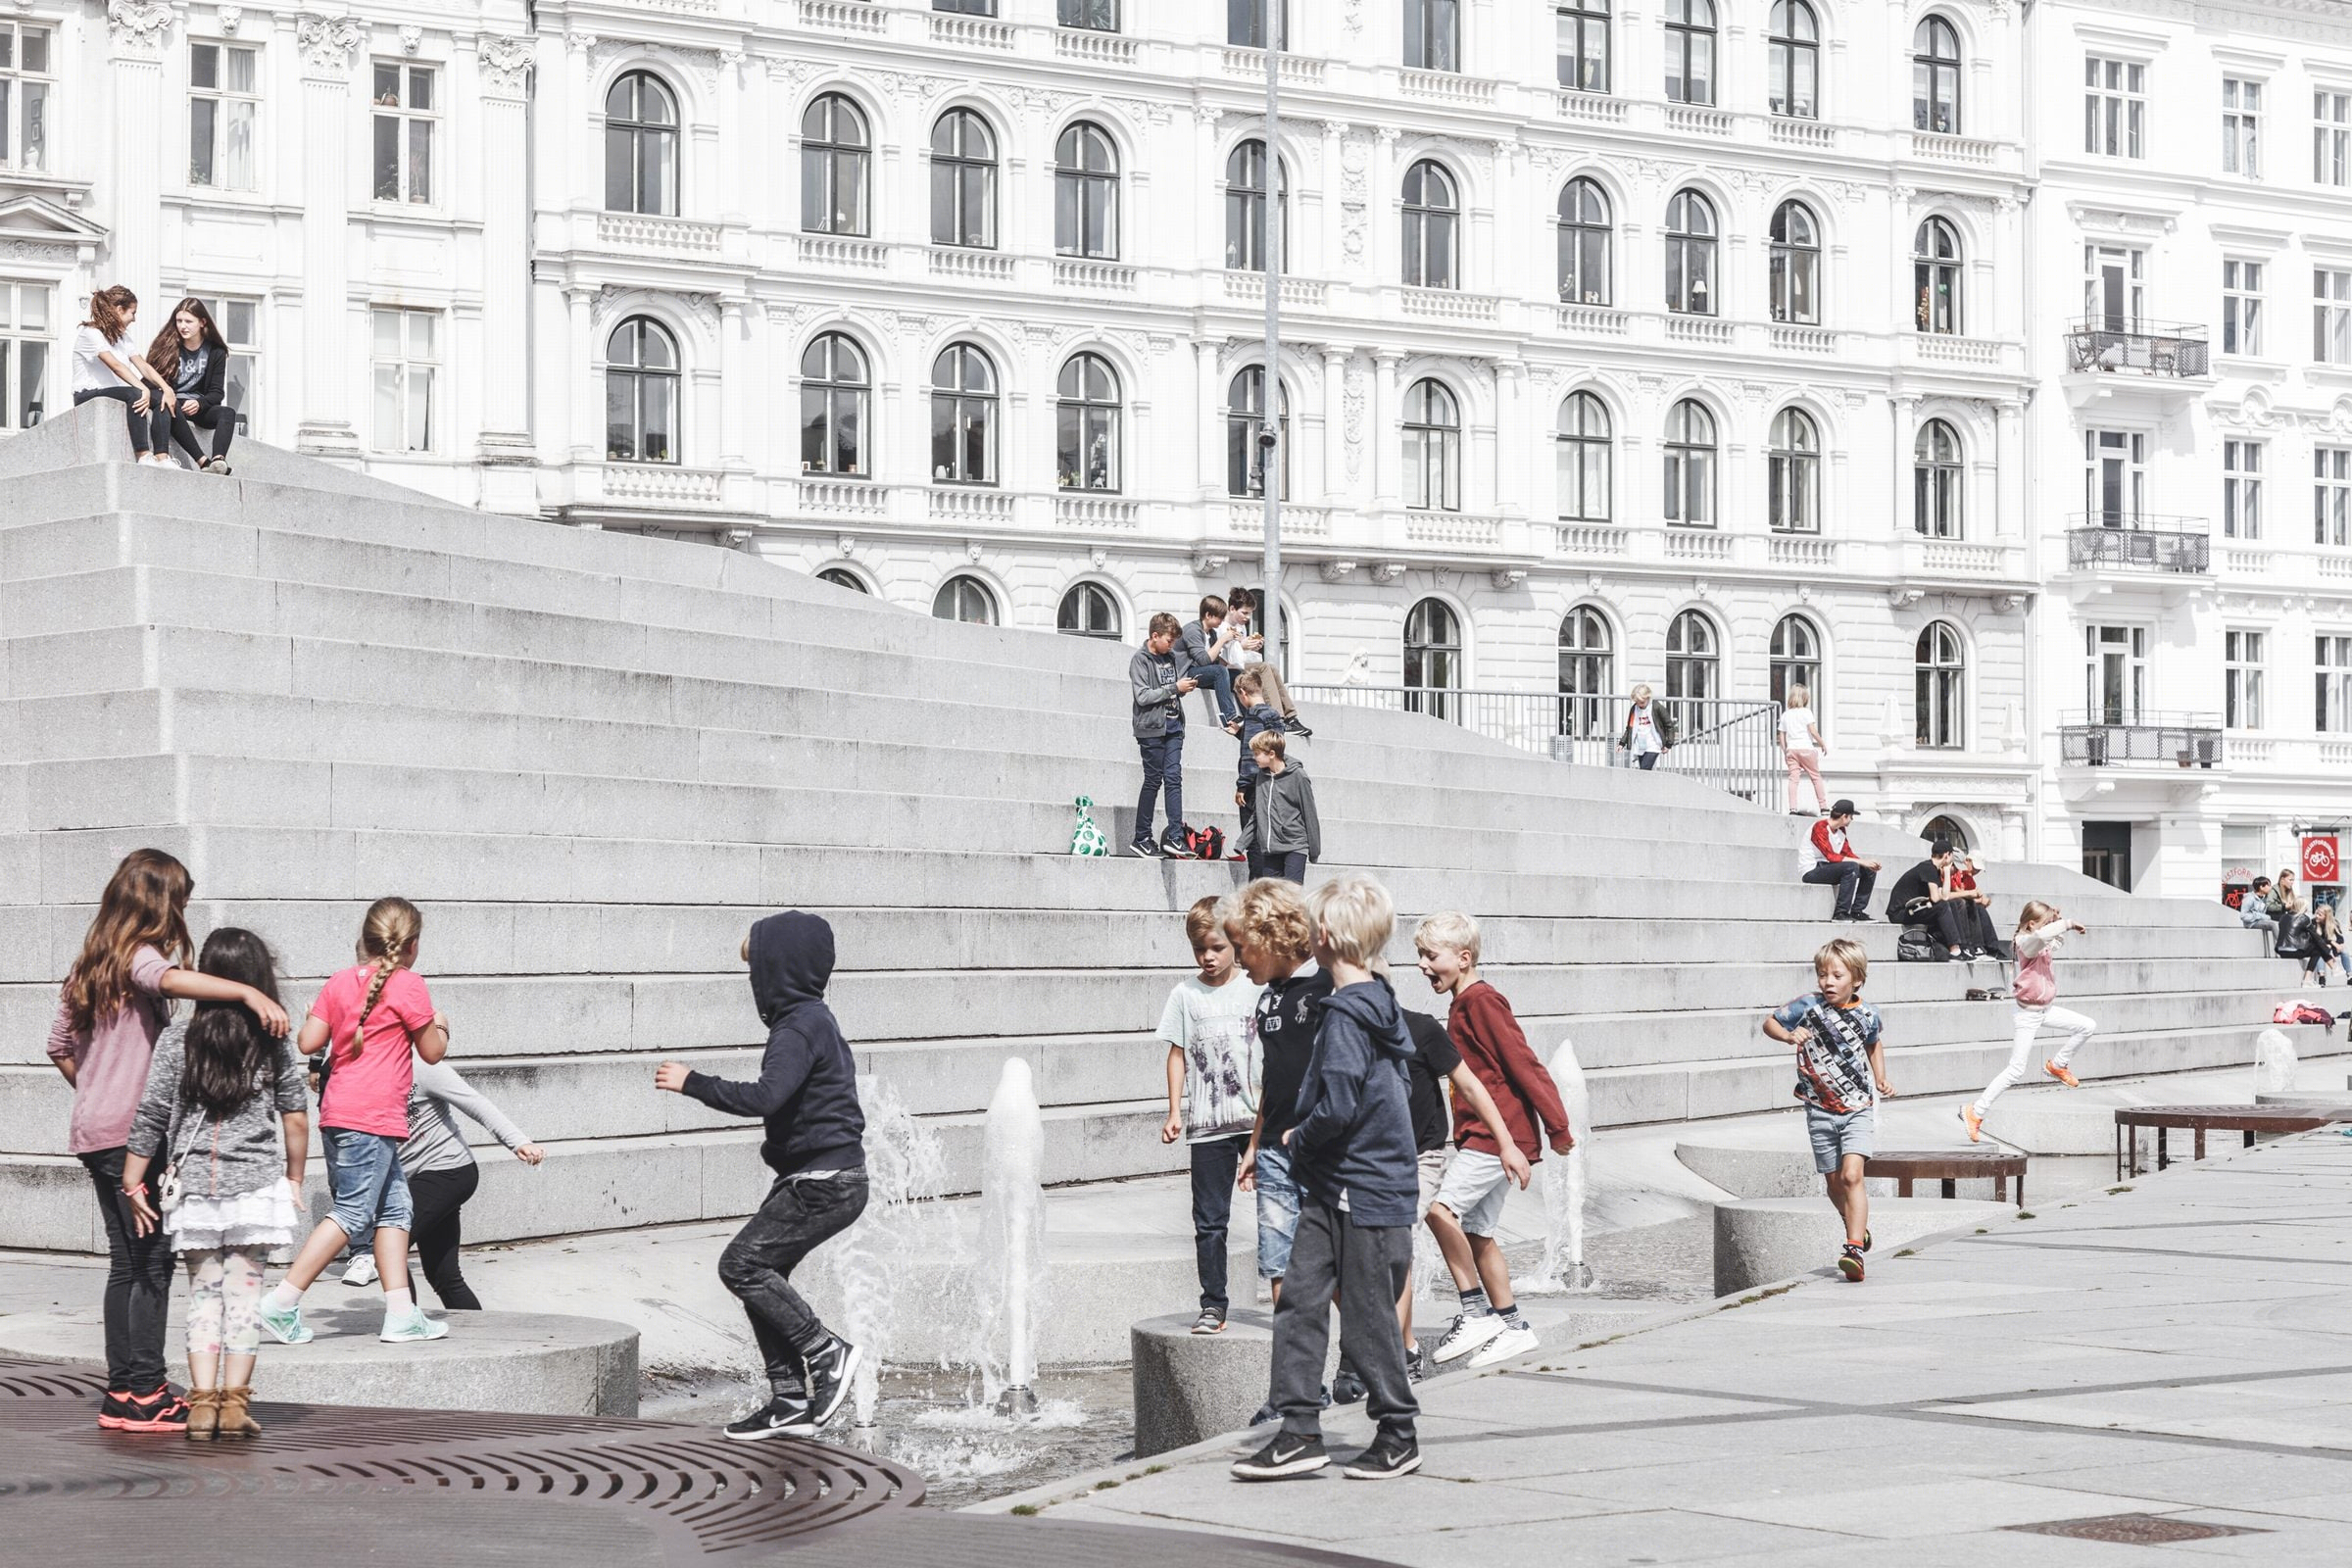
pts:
pixel 1206 843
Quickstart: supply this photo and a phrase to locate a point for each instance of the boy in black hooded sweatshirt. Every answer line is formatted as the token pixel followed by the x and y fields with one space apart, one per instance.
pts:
pixel 807 1094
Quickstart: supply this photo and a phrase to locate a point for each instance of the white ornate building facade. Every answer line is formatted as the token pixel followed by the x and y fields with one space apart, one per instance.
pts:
pixel 1713 343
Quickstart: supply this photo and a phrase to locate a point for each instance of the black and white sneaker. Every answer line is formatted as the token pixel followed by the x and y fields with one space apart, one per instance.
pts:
pixel 1389 1457
pixel 1144 848
pixel 1288 1454
pixel 1210 1321
pixel 784 1416
pixel 1174 848
pixel 830 1371
pixel 1416 1365
pixel 1297 726
pixel 1467 1333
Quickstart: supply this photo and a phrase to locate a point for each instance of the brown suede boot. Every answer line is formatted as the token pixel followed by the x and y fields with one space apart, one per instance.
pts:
pixel 203 1414
pixel 237 1420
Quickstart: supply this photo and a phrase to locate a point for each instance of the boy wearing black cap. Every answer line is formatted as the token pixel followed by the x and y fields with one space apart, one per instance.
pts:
pixel 1834 862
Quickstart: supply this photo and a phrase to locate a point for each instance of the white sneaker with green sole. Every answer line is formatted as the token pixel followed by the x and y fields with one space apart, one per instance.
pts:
pixel 413 1325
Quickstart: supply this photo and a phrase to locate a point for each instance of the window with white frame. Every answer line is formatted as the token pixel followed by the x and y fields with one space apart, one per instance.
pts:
pixel 1795 654
pixel 1794 66
pixel 1433 448
pixel 1935 77
pixel 26 79
pixel 240 323
pixel 223 103
pixel 2241 127
pixel 1246 452
pixel 1430 212
pixel 2332 137
pixel 1936 481
pixel 2114 673
pixel 405 364
pixel 1583 231
pixel 406 111
pixel 1690 51
pixel 2241 679
pixel 24 355
pixel 1794 471
pixel 1588 673
pixel 1433 35
pixel 2115 107
pixel 1939 689
pixel 1581 28
pixel 1794 263
pixel 1584 458
pixel 1694 669
pixel 2114 287
pixel 2241 308
pixel 1690 453
pixel 2241 489
pixel 1086 424
pixel 963 181
pixel 2331 495
pixel 2115 477
pixel 2332 315
pixel 2331 668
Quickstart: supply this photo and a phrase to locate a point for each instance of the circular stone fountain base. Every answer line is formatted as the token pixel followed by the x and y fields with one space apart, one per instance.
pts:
pixel 1760 1240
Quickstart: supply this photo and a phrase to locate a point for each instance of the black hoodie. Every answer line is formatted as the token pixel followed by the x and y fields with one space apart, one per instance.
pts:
pixel 1355 1132
pixel 808 1088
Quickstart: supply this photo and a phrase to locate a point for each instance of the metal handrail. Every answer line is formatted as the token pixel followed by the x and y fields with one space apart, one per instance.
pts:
pixel 2192 740
pixel 2146 348
pixel 2122 539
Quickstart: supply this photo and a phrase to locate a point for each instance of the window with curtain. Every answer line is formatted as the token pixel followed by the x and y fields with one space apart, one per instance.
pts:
pixel 1433 448
pixel 223 102
pixel 1936 486
pixel 24 347
pixel 1795 265
pixel 1584 227
pixel 1086 424
pixel 1086 192
pixel 28 77
pixel 1936 77
pixel 963 181
pixel 963 416
pixel 1431 210
pixel 1690 51
pixel 405 115
pixel 1690 240
pixel 835 385
pixel 1582 450
pixel 1433 35
pixel 1793 87
pixel 1691 465
pixel 1581 30
pixel 1935 262
pixel 835 155
pixel 641 393
pixel 641 145
pixel 1795 472
pixel 405 370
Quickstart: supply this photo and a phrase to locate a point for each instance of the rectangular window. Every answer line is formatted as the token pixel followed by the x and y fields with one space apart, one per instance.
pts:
pixel 25 83
pixel 240 323
pixel 2115 477
pixel 2241 489
pixel 2331 496
pixel 2241 127
pixel 2241 679
pixel 1093 16
pixel 223 101
pixel 406 112
pixel 407 369
pixel 2331 316
pixel 2241 308
pixel 2332 137
pixel 2331 668
pixel 2114 673
pixel 2114 107
pixel 1582 31
pixel 24 355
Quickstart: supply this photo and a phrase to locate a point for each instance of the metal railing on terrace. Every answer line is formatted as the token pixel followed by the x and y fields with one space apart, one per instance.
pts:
pixel 1727 744
pixel 2143 348
pixel 2096 539
pixel 2179 740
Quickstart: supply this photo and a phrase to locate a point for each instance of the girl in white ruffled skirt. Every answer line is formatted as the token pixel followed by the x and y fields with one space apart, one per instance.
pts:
pixel 225 1111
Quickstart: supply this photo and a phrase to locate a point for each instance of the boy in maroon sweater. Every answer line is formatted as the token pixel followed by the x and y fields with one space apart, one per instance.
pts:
pixel 1469 1202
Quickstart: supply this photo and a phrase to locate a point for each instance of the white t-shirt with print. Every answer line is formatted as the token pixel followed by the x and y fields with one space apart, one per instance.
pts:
pixel 1211 1025
pixel 1646 733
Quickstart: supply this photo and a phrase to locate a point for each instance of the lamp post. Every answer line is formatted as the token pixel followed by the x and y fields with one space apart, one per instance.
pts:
pixel 1269 438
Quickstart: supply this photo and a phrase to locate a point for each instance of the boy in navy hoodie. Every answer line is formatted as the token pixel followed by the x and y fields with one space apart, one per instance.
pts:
pixel 1352 1153
pixel 807 1094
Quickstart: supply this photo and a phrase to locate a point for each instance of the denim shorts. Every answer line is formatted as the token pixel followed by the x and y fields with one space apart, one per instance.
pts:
pixel 363 1170
pixel 1834 1137
pixel 1277 1211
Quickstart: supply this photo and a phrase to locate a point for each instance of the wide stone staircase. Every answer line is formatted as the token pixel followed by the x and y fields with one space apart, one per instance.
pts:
pixel 593 759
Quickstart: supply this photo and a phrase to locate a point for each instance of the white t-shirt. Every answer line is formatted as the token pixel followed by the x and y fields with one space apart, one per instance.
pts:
pixel 1796 728
pixel 1646 733
pixel 90 372
pixel 1211 1025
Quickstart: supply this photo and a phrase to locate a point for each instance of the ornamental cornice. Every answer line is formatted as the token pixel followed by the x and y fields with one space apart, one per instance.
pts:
pixel 506 62
pixel 140 26
pixel 703 63
pixel 327 44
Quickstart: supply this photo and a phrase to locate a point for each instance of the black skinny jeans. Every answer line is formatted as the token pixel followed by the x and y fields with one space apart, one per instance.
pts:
pixel 793 1221
pixel 138 1283
pixel 438 1195
pixel 221 420
pixel 1215 1163
pixel 150 431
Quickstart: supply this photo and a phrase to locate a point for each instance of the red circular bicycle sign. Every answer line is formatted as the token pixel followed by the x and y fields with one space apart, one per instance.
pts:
pixel 2320 862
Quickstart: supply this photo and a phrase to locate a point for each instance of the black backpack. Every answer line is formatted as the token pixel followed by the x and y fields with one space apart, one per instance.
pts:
pixel 1917 946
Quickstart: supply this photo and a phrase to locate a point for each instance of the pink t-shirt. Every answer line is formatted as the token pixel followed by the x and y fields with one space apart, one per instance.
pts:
pixel 109 1063
pixel 368 1091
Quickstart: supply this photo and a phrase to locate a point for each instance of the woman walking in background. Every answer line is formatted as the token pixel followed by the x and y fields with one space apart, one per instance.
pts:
pixel 193 357
pixel 106 365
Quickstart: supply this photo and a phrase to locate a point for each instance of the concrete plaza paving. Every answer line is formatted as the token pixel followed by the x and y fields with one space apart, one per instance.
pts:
pixel 2179 1348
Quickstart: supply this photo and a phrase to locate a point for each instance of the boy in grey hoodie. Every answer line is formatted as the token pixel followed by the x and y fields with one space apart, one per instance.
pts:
pixel 1283 833
pixel 1352 1156
pixel 1158 710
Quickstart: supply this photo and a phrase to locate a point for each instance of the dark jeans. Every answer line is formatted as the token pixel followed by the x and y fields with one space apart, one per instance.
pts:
pixel 438 1195
pixel 1365 1267
pixel 793 1221
pixel 1975 923
pixel 1163 769
pixel 1217 678
pixel 221 420
pixel 1290 867
pixel 150 431
pixel 1647 762
pixel 1852 879
pixel 1215 1163
pixel 138 1283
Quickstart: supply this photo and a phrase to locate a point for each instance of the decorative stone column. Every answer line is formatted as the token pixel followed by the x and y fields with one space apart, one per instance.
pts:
pixel 1905 412
pixel 137 31
pixel 1211 477
pixel 505 73
pixel 1334 429
pixel 328 45
pixel 587 392
pixel 1386 404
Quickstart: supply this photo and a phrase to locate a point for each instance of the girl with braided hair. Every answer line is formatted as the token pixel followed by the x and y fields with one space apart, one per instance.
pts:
pixel 368 1019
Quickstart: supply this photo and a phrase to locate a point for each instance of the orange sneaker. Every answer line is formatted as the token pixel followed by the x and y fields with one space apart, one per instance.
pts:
pixel 1972 1122
pixel 2064 1075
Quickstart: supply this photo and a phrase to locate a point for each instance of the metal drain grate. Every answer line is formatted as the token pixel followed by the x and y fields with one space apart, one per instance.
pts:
pixel 48 1380
pixel 2136 1529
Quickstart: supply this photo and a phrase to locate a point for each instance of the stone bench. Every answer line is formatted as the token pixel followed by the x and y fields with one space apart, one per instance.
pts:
pixel 1760 1240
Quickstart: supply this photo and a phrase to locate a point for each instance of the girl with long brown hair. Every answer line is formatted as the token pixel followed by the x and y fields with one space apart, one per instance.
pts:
pixel 193 357
pixel 115 1000
pixel 106 365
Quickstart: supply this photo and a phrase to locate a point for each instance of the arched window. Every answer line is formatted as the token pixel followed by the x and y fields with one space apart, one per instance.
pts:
pixel 1246 22
pixel 1433 448
pixel 1690 51
pixel 843 577
pixel 1693 670
pixel 641 393
pixel 1086 424
pixel 1946 827
pixel 1795 472
pixel 1939 664
pixel 1086 192
pixel 1089 610
pixel 1691 465
pixel 1433 658
pixel 1588 673
pixel 1433 35
pixel 1582 459
pixel 836 151
pixel 1245 454
pixel 1796 662
pixel 963 416
pixel 834 386
pixel 966 599
pixel 1936 77
pixel 1430 211
pixel 1246 211
pixel 963 182
pixel 1584 243
pixel 1795 265
pixel 1936 275
pixel 641 145
pixel 1795 66
pixel 1690 254
pixel 1936 481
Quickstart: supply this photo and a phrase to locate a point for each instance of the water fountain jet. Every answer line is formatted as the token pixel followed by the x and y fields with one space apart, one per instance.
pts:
pixel 1013 1227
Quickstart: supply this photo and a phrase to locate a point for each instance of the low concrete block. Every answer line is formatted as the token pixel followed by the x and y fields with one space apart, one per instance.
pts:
pixel 1749 1172
pixel 1192 1387
pixel 2056 1122
pixel 1759 1240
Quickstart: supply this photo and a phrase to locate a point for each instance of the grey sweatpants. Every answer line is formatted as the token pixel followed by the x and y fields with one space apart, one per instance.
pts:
pixel 1366 1267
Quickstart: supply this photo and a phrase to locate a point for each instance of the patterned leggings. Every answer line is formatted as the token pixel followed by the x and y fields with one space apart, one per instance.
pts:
pixel 225 1301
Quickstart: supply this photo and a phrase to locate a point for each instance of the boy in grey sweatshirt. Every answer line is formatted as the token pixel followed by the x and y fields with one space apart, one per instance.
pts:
pixel 1158 705
pixel 1284 831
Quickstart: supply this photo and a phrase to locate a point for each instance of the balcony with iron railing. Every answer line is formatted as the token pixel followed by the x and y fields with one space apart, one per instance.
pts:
pixel 2161 352
pixel 2154 740
pixel 2116 541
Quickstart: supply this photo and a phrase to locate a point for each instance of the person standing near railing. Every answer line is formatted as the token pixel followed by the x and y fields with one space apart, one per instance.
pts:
pixel 1648 732
pixel 1800 741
